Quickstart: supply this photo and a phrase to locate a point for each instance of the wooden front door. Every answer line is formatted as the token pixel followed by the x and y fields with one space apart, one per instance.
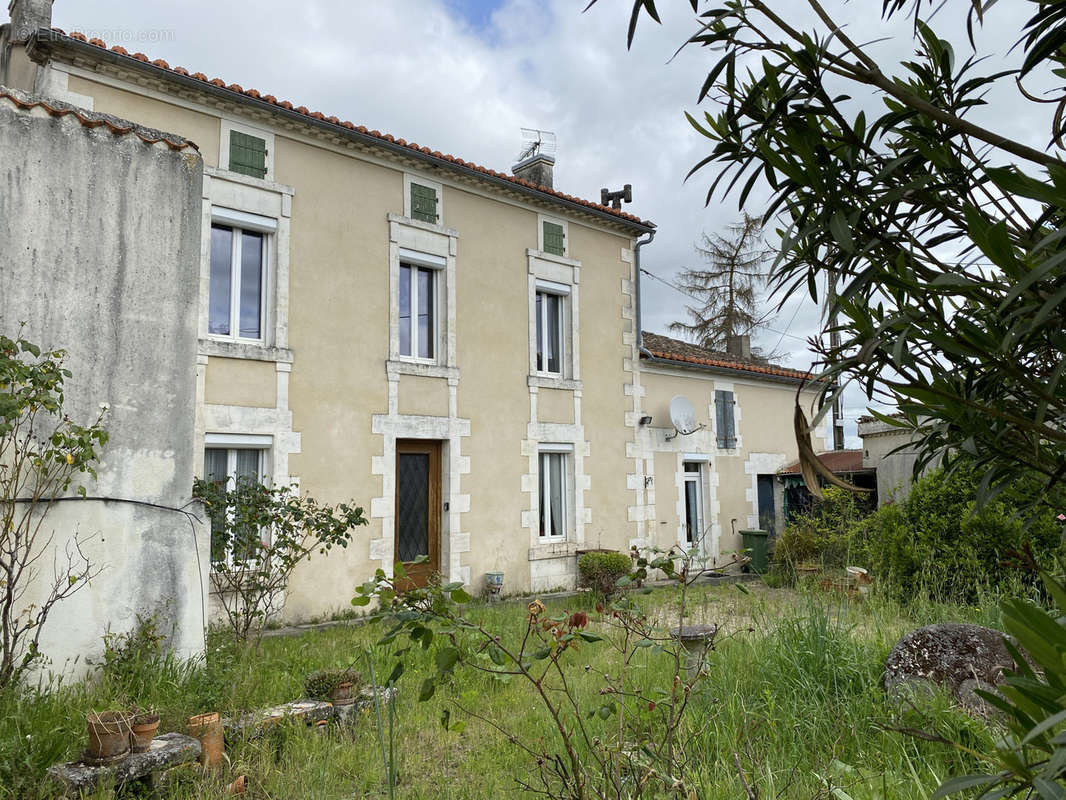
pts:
pixel 418 508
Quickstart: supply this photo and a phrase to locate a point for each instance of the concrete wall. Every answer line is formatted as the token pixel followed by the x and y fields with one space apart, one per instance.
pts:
pixel 895 471
pixel 99 254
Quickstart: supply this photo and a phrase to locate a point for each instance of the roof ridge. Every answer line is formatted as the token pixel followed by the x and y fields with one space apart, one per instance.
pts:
pixel 723 360
pixel 89 119
pixel 362 129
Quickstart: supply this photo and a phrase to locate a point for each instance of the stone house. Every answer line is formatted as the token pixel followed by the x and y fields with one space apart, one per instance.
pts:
pixel 455 348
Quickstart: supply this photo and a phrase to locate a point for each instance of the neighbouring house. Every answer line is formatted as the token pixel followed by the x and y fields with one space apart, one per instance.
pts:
pixel 99 242
pixel 848 465
pixel 453 347
pixel 721 478
pixel 889 450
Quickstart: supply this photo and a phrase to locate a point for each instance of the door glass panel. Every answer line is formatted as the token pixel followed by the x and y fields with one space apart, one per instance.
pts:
pixel 412 512
pixel 692 511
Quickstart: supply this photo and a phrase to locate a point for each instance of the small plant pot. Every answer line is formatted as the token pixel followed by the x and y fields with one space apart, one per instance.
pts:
pixel 207 728
pixel 342 694
pixel 109 737
pixel 494 583
pixel 142 731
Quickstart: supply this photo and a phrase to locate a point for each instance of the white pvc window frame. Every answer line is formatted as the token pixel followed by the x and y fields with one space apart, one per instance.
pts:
pixel 434 266
pixel 232 444
pixel 692 479
pixel 560 292
pixel 554 460
pixel 239 222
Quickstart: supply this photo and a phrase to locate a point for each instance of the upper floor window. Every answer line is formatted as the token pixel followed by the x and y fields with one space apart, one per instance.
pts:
pixel 423 203
pixel 553 236
pixel 238 278
pixel 554 239
pixel 246 150
pixel 247 154
pixel 418 311
pixel 422 199
pixel 725 425
pixel 551 312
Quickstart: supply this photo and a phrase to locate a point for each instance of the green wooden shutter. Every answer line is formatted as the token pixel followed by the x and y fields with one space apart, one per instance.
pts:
pixel 423 203
pixel 726 425
pixel 554 240
pixel 247 154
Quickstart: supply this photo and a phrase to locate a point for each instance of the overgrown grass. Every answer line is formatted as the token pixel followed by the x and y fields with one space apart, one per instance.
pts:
pixel 793 695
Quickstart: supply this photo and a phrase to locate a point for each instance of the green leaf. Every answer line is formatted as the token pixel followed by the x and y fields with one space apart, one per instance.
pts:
pixel 496 655
pixel 460 596
pixel 427 690
pixel 447 658
pixel 590 637
pixel 360 600
pixel 542 653
pixel 961 783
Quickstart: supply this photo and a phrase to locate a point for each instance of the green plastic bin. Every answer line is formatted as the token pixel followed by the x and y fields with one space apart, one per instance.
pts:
pixel 756 545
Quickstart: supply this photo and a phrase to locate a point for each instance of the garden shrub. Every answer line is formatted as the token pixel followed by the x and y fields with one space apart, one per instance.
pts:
pixel 938 540
pixel 601 570
pixel 827 535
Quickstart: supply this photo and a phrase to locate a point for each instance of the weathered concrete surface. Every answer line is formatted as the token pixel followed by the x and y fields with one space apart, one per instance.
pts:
pixel 959 657
pixel 99 255
pixel 167 750
pixel 257 723
pixel 895 470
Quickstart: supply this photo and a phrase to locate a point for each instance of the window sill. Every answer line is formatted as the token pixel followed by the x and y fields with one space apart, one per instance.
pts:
pixel 551 382
pixel 426 226
pixel 553 548
pixel 251 351
pixel 395 367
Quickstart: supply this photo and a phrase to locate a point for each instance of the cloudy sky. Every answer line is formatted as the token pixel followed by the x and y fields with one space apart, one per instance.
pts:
pixel 463 76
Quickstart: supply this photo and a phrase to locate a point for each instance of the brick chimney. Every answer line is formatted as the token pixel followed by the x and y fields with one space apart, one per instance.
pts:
pixel 27 16
pixel 536 169
pixel 739 346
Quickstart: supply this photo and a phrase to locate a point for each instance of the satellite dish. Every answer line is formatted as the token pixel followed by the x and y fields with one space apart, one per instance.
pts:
pixel 683 417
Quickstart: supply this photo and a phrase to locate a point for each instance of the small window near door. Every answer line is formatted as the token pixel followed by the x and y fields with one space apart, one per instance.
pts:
pixel 693 485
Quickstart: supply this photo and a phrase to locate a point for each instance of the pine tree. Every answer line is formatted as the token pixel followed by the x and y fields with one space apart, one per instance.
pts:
pixel 728 287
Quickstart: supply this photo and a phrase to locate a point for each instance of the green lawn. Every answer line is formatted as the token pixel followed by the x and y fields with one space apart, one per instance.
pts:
pixel 793 692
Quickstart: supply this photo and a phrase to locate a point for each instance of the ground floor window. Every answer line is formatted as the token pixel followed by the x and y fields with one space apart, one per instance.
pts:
pixel 229 465
pixel 554 478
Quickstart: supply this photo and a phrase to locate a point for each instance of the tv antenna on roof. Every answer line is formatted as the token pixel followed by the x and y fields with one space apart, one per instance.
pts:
pixel 536 142
pixel 683 417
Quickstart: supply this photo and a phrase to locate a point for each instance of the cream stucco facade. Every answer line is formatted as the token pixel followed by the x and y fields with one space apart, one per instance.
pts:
pixel 325 391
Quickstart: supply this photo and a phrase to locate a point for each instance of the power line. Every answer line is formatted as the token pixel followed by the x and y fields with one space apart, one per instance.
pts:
pixel 677 288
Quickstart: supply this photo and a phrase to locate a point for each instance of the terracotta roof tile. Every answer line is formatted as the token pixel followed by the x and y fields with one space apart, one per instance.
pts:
pixel 95 120
pixel 836 460
pixel 271 100
pixel 676 350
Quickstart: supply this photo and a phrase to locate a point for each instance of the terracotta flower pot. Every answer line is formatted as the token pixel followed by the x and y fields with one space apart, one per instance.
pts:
pixel 208 729
pixel 142 731
pixel 342 694
pixel 109 736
